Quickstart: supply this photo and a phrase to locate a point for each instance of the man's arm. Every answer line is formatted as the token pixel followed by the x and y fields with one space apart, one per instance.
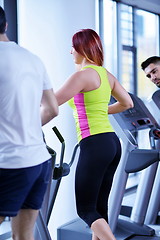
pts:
pixel 49 106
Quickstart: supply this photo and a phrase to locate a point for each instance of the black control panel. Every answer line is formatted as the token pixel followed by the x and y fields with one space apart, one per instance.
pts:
pixel 135 118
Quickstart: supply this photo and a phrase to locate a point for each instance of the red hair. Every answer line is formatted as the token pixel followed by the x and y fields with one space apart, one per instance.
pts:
pixel 88 43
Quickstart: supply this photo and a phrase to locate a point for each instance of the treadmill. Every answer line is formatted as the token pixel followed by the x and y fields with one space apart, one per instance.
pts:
pixel 133 159
pixel 152 216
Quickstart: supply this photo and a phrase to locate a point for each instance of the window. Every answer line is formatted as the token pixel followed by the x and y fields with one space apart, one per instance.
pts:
pixel 128 52
pixel 147 35
pixel 130 35
pixel 108 32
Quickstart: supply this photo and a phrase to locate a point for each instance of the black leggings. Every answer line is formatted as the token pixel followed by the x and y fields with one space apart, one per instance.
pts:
pixel 98 160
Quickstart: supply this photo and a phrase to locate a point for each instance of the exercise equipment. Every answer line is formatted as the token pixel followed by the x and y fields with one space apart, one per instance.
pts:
pixel 154 204
pixel 59 170
pixel 126 125
pixel 139 118
pixel 41 228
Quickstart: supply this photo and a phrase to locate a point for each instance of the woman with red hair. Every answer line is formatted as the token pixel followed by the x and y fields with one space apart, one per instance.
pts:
pixel 88 91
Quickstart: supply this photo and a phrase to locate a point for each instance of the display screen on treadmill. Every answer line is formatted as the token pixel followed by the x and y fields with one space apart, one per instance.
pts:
pixel 132 113
pixel 133 118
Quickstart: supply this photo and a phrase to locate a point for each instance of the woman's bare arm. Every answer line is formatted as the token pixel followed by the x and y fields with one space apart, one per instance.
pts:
pixel 124 100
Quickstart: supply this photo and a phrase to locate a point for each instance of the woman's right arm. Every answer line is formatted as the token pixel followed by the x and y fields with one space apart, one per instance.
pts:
pixel 124 101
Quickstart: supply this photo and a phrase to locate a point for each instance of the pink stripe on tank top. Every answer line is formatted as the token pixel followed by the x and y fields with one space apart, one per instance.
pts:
pixel 82 116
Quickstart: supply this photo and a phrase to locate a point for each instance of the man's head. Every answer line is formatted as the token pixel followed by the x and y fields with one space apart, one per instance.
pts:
pixel 151 67
pixel 2 21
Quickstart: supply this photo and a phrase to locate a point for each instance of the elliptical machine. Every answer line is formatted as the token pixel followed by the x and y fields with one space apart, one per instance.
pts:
pixel 60 170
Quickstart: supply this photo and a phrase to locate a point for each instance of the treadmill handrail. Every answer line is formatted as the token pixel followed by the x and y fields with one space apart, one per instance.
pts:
pixel 140 159
pixel 61 139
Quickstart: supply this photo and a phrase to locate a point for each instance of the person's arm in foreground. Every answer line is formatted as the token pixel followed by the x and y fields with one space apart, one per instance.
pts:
pixel 49 106
pixel 124 100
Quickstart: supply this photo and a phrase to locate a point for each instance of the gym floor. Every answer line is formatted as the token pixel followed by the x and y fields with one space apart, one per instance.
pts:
pixel 5 229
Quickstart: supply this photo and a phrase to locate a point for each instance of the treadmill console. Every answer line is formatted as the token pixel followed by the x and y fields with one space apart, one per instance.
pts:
pixel 135 118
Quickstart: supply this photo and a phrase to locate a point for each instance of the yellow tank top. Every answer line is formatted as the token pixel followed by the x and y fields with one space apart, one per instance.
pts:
pixel 90 109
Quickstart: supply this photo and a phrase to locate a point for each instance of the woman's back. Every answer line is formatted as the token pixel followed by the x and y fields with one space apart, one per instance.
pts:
pixel 90 108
